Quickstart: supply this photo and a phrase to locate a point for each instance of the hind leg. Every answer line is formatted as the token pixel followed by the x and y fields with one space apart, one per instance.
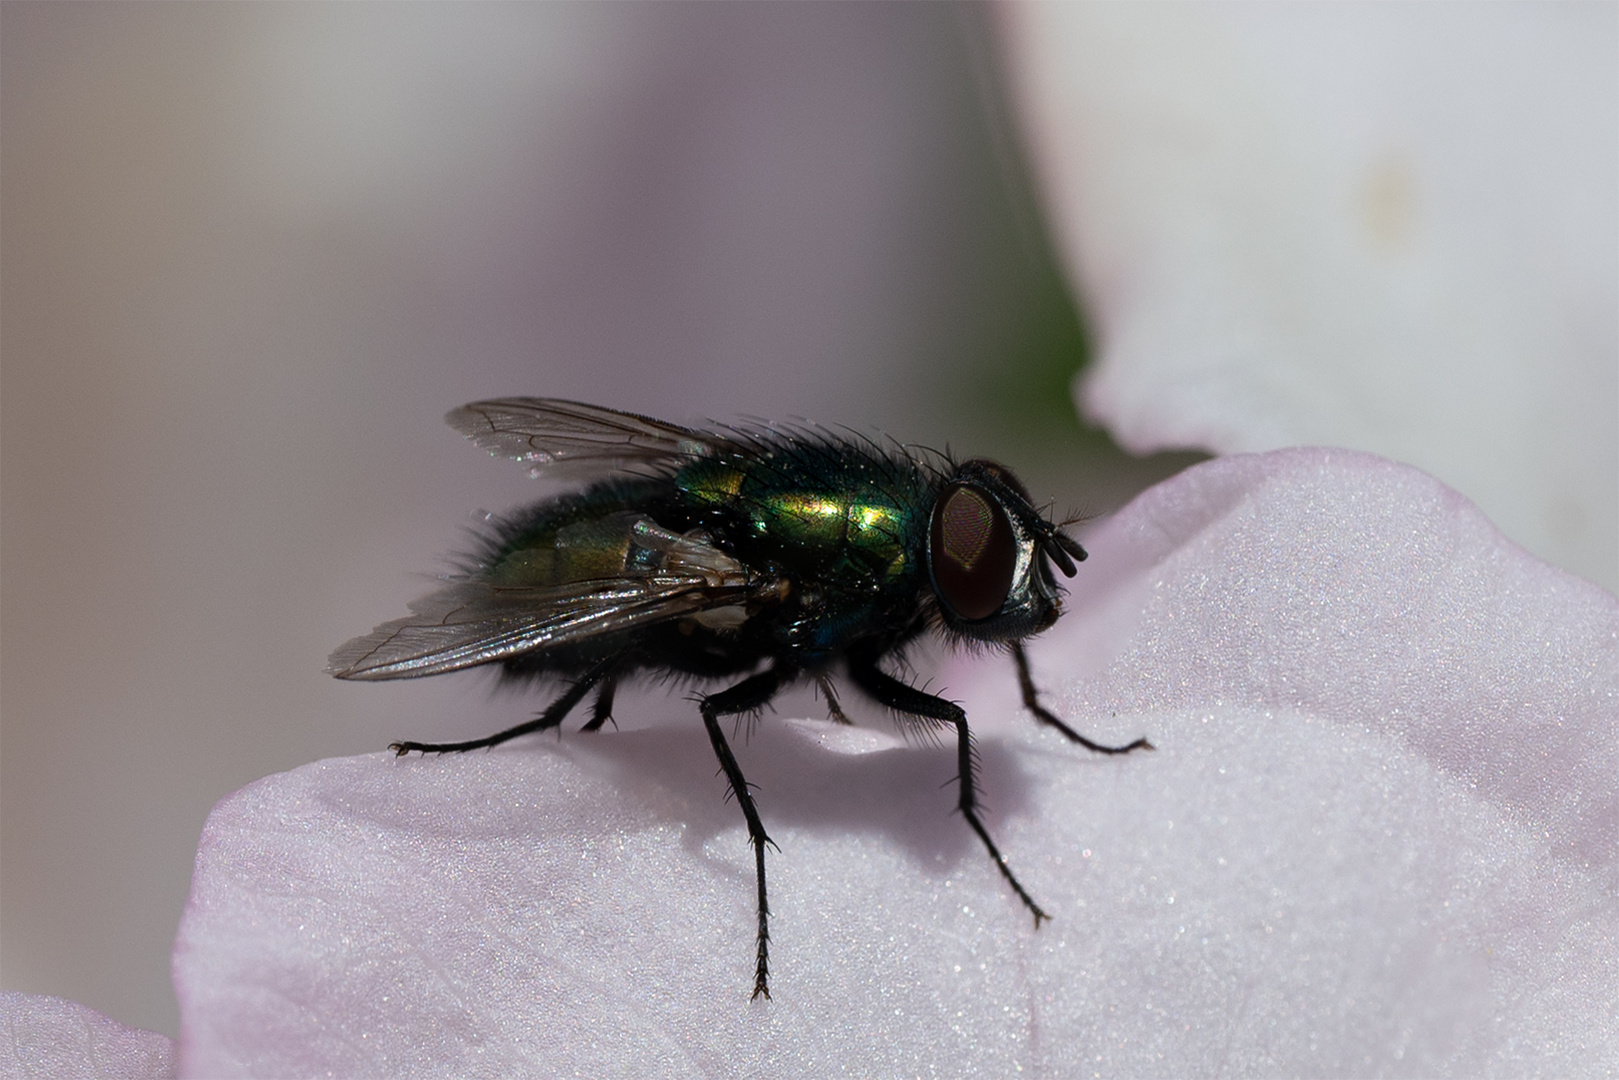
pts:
pixel 553 715
pixel 602 710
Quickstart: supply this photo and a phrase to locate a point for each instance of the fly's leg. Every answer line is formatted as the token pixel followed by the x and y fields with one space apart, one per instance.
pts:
pixel 751 693
pixel 553 715
pixel 830 692
pixel 906 699
pixel 1031 701
pixel 602 710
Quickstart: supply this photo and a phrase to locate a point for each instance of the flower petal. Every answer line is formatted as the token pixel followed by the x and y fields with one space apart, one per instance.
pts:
pixel 49 1037
pixel 1383 227
pixel 1377 836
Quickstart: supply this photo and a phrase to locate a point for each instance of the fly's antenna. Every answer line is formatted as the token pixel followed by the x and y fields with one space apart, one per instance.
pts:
pixel 1063 550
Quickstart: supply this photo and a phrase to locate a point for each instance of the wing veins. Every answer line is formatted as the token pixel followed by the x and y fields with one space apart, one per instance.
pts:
pixel 558 436
pixel 472 623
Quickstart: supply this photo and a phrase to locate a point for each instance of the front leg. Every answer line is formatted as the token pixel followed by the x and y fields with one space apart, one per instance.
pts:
pixel 751 693
pixel 906 699
pixel 1031 701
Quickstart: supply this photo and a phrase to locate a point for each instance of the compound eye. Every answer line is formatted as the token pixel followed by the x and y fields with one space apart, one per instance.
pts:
pixel 974 552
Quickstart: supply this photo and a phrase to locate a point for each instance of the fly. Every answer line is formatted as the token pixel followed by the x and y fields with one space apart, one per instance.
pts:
pixel 755 555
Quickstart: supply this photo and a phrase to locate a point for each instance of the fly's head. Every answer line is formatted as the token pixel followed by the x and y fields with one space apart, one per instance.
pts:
pixel 990 554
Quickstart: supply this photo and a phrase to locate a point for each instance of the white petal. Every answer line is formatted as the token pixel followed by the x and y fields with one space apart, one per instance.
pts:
pixel 1383 227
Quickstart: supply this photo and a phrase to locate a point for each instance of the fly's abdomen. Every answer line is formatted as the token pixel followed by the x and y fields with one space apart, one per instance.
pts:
pixel 578 551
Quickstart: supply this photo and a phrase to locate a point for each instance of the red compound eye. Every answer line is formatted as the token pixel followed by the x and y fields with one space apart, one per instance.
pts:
pixel 974 552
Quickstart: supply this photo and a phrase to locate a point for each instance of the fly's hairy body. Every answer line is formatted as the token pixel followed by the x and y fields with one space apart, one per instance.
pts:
pixel 839 537
pixel 758 555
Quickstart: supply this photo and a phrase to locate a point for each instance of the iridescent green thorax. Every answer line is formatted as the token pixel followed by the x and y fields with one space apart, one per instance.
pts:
pixel 815 508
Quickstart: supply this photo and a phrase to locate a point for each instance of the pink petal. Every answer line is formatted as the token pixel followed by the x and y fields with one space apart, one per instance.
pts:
pixel 1377 836
pixel 46 1038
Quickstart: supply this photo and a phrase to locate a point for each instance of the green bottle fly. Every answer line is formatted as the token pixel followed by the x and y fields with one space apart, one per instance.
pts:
pixel 757 555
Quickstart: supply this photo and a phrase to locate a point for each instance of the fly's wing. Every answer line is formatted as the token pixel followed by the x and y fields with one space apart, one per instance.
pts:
pixel 475 622
pixel 570 438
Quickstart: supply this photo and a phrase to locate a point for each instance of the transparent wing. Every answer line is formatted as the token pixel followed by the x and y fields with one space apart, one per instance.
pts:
pixel 475 622
pixel 555 436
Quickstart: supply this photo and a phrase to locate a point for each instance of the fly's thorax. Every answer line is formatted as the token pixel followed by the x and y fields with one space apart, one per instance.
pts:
pixel 810 521
pixel 711 483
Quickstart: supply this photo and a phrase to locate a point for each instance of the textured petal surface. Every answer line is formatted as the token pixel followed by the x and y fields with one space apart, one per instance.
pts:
pixel 1388 227
pixel 47 1038
pixel 1377 838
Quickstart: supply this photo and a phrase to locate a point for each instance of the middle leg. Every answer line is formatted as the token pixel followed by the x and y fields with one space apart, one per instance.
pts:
pixel 751 693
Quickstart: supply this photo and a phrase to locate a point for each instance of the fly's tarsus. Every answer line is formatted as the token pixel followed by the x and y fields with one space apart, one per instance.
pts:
pixel 1031 701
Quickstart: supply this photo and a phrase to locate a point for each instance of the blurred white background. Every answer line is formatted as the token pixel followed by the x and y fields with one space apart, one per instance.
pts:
pixel 252 253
